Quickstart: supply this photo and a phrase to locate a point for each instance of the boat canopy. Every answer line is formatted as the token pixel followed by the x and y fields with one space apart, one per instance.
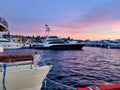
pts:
pixel 3 25
pixel 3 28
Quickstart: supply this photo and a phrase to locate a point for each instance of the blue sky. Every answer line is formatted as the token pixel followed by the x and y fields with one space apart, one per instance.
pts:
pixel 79 19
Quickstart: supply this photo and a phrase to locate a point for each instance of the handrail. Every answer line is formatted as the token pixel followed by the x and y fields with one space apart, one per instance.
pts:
pixel 20 64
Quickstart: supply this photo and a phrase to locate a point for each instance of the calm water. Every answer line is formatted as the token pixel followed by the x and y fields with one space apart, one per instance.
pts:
pixel 90 66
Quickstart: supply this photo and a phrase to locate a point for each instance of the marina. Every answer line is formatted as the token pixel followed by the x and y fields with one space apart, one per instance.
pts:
pixel 74 65
pixel 78 51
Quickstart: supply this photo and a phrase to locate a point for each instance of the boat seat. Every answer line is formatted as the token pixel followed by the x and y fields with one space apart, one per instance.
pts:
pixel 15 58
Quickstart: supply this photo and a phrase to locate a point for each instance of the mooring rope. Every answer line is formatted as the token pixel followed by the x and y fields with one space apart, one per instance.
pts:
pixel 63 85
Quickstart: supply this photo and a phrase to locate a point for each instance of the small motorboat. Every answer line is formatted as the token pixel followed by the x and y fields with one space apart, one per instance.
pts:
pixel 102 87
pixel 22 72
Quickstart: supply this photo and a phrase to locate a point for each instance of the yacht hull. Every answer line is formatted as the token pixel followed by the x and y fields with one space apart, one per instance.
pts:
pixel 11 45
pixel 25 79
pixel 62 47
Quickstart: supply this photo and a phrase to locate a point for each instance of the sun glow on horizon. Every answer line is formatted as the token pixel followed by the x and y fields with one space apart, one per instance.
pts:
pixel 71 32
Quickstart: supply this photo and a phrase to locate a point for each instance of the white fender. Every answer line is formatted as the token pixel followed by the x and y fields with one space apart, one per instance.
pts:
pixel 1 48
pixel 37 58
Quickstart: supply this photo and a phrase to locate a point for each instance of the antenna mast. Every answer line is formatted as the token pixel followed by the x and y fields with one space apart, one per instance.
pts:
pixel 47 30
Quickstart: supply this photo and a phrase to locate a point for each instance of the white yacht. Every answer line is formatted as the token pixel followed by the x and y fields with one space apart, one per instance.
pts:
pixel 56 43
pixel 3 28
pixel 22 74
pixel 111 44
pixel 7 44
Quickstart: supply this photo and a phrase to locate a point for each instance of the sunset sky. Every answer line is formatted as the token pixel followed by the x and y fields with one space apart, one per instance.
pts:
pixel 79 19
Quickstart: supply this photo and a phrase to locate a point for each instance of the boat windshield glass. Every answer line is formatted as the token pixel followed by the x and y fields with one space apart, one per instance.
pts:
pixel 4 41
pixel 53 37
pixel 55 42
